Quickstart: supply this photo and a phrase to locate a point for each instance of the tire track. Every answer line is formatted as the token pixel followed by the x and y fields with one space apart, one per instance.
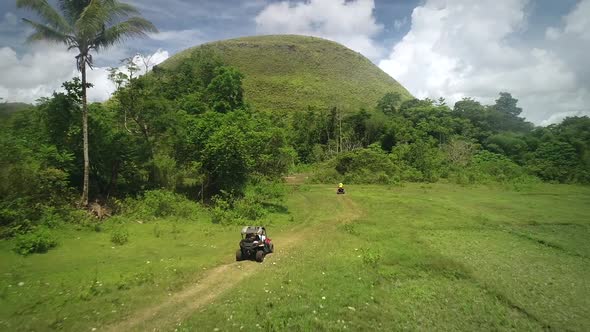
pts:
pixel 223 278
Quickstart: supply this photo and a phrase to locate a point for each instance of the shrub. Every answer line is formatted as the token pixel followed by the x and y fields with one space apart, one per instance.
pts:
pixel 161 203
pixel 222 213
pixel 120 236
pixel 249 208
pixel 38 241
pixel 487 167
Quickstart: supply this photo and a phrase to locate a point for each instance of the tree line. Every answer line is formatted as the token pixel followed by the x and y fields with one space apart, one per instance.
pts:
pixel 188 130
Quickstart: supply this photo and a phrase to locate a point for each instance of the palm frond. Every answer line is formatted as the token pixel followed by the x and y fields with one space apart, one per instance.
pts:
pixel 133 27
pixel 47 13
pixel 72 9
pixel 44 32
pixel 92 20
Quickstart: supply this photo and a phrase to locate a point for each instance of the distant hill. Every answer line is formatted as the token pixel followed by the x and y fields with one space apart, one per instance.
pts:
pixel 7 109
pixel 289 73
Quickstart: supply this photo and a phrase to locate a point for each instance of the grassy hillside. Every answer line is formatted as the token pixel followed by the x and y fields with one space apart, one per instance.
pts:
pixel 418 257
pixel 290 72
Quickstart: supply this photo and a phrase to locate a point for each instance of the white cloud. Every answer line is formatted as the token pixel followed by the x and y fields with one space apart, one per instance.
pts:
pixel 348 22
pixel 179 39
pixel 578 21
pixel 552 33
pixel 462 48
pixel 45 67
pixel 558 117
pixel 103 87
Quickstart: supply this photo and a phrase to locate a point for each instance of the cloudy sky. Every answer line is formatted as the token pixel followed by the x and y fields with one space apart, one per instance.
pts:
pixel 535 49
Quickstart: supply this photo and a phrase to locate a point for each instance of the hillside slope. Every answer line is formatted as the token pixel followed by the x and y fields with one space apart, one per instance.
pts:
pixel 290 73
pixel 7 109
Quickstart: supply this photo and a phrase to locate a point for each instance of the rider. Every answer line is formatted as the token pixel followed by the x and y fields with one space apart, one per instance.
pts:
pixel 340 187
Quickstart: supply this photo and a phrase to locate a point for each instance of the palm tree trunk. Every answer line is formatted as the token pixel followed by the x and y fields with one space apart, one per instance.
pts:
pixel 84 199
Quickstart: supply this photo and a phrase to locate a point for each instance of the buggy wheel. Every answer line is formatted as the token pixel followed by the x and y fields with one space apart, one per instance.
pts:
pixel 259 256
pixel 272 248
pixel 239 255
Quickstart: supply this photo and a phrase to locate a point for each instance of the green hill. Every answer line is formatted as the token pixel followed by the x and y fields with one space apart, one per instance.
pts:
pixel 7 109
pixel 288 72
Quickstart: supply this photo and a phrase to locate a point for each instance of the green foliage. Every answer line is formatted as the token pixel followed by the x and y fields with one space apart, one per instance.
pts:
pixel 119 235
pixel 554 160
pixel 260 198
pixel 407 162
pixel 38 241
pixel 370 256
pixel 489 167
pixel 225 92
pixel 389 103
pixel 161 203
pixel 365 166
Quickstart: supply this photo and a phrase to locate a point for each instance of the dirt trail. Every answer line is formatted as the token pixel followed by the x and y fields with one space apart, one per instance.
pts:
pixel 296 178
pixel 223 278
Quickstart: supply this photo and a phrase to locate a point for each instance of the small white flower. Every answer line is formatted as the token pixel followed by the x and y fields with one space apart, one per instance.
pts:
pixel 351 308
pixel 323 297
pixel 147 262
pixel 20 284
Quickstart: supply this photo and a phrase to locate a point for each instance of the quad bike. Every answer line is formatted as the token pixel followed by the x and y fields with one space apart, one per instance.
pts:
pixel 340 191
pixel 254 244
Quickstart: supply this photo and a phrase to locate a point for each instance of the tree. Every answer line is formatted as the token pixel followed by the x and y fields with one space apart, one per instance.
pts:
pixel 389 103
pixel 225 90
pixel 85 25
pixel 507 104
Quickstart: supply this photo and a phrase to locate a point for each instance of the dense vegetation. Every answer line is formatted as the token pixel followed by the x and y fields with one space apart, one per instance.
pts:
pixel 6 109
pixel 188 129
pixel 424 140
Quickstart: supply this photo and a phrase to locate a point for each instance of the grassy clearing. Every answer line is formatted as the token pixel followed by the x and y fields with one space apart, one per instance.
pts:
pixel 88 281
pixel 428 257
pixel 419 257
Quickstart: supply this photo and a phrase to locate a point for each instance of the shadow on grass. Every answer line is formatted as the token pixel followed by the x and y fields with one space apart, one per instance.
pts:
pixel 275 208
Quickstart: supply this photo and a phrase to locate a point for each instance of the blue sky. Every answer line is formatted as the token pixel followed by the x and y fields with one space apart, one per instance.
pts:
pixel 535 49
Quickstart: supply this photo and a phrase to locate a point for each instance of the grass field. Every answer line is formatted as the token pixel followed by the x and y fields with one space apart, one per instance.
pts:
pixel 417 257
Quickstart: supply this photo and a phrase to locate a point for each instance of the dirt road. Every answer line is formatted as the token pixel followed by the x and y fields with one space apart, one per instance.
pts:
pixel 223 278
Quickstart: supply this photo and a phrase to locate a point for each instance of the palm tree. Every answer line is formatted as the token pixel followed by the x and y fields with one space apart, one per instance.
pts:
pixel 85 25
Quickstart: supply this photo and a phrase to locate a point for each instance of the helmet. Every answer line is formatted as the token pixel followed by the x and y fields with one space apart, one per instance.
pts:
pixel 340 185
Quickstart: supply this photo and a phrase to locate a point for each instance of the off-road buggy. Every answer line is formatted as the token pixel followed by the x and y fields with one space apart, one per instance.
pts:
pixel 340 191
pixel 254 244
